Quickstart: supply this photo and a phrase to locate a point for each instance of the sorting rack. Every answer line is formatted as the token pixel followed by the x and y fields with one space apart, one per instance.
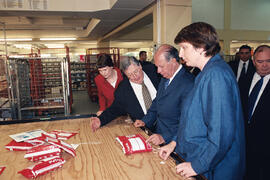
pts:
pixel 40 86
pixel 91 70
pixel 78 76
pixel 6 112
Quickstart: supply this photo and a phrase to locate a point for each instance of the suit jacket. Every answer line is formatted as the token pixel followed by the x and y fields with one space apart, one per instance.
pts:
pixel 243 84
pixel 250 70
pixel 106 90
pixel 211 129
pixel 257 132
pixel 166 107
pixel 125 101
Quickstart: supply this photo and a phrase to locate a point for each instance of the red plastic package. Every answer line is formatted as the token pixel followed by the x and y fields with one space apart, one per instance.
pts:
pixel 42 167
pixel 2 168
pixel 134 144
pixel 64 135
pixel 65 146
pixel 42 152
pixel 23 146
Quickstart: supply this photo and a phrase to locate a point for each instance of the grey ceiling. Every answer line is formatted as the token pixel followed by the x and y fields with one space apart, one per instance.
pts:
pixel 41 24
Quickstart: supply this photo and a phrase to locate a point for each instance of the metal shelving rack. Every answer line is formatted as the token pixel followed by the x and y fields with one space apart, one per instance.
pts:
pixel 6 110
pixel 78 75
pixel 41 86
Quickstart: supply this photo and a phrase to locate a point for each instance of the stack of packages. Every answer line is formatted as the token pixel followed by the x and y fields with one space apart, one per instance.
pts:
pixel 45 151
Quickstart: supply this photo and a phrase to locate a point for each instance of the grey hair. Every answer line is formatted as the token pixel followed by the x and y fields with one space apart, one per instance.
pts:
pixel 127 61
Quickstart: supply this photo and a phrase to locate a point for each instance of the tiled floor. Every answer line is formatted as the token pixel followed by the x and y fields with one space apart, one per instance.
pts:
pixel 82 104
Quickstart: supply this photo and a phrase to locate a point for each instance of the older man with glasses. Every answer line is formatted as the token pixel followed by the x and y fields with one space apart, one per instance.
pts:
pixel 134 94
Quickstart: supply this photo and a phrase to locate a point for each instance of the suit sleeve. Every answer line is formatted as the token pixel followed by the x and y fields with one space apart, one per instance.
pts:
pixel 116 109
pixel 101 98
pixel 150 118
pixel 218 115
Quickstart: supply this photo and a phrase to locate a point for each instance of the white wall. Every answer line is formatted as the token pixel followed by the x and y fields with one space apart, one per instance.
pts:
pixel 210 11
pixel 250 15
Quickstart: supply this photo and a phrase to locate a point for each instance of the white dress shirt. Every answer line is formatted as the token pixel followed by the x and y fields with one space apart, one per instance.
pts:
pixel 137 88
pixel 179 68
pixel 240 66
pixel 255 79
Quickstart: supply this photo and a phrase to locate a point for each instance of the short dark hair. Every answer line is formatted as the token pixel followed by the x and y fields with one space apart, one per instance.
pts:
pixel 260 48
pixel 200 35
pixel 104 60
pixel 245 47
pixel 141 52
pixel 169 52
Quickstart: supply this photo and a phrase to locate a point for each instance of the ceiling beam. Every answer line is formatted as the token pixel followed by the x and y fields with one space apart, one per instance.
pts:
pixel 132 20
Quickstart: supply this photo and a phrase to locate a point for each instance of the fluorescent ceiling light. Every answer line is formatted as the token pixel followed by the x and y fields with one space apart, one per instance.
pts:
pixel 25 46
pixel 55 45
pixel 57 39
pixel 17 39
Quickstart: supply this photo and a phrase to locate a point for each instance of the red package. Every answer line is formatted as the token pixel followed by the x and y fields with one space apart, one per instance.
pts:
pixel 23 146
pixel 64 135
pixel 42 152
pixel 134 144
pixel 65 146
pixel 42 168
pixel 2 168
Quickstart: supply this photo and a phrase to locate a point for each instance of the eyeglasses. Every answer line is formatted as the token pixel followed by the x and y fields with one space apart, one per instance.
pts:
pixel 134 73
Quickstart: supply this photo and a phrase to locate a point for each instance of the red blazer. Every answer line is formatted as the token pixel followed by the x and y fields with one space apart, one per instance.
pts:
pixel 106 90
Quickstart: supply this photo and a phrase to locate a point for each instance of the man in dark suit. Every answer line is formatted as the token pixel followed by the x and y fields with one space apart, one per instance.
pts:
pixel 243 68
pixel 173 88
pixel 134 94
pixel 143 58
pixel 256 111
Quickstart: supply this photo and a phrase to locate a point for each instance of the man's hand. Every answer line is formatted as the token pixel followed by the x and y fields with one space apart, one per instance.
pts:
pixel 185 169
pixel 139 123
pixel 156 139
pixel 95 123
pixel 99 113
pixel 165 151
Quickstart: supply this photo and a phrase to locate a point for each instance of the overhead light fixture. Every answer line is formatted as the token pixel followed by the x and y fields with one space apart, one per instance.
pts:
pixel 17 39
pixel 57 39
pixel 55 45
pixel 25 46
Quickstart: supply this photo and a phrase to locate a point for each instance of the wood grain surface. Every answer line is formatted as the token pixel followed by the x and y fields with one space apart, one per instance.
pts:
pixel 99 155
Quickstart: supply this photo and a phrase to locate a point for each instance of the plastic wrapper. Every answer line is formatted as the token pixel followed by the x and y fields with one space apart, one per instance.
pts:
pixel 42 168
pixel 2 168
pixel 134 144
pixel 23 146
pixel 64 135
pixel 42 152
pixel 65 146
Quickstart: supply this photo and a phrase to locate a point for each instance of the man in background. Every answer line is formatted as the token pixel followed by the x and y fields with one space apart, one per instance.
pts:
pixel 143 58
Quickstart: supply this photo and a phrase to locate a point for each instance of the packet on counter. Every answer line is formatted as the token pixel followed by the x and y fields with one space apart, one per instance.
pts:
pixel 23 146
pixel 42 167
pixel 65 146
pixel 2 168
pixel 42 152
pixel 134 144
pixel 63 135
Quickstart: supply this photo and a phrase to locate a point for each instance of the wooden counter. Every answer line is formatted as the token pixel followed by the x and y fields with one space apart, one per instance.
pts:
pixel 99 156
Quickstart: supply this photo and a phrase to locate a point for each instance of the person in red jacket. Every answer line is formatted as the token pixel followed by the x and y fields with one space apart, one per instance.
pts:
pixel 107 81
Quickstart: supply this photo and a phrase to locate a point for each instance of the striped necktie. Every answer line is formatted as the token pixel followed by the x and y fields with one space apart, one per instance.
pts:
pixel 166 84
pixel 146 96
pixel 253 97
